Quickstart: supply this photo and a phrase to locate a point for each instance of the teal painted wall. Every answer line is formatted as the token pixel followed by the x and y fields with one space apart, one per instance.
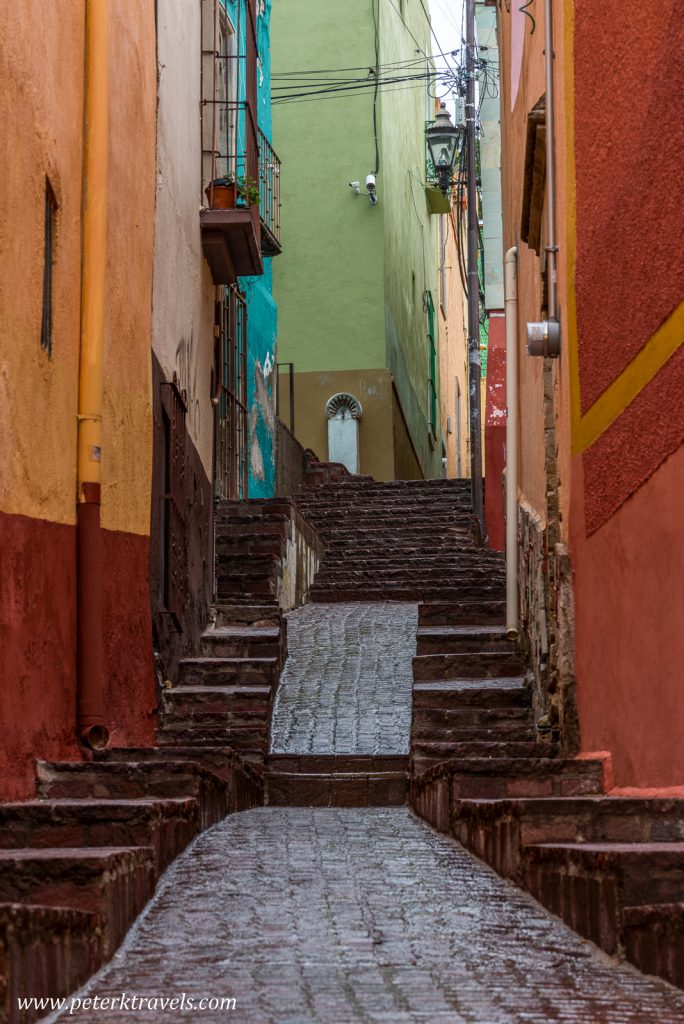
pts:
pixel 262 316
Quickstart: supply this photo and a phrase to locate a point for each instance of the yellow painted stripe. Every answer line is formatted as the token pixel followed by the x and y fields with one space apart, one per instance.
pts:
pixel 632 380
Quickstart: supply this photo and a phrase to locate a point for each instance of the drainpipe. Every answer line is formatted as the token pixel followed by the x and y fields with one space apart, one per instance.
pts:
pixel 90 714
pixel 511 304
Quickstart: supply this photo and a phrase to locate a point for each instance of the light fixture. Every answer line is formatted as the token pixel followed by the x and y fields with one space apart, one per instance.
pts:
pixel 442 139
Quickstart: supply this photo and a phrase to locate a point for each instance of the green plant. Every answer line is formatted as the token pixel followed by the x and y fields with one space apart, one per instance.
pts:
pixel 248 189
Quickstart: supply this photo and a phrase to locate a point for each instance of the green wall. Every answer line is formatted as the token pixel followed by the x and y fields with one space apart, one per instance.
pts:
pixel 351 279
pixel 330 276
pixel 411 233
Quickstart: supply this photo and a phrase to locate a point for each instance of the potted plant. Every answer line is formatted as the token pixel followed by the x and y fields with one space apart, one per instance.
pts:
pixel 222 193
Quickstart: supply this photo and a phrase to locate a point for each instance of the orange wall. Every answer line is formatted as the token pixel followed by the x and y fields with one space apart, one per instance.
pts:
pixel 41 110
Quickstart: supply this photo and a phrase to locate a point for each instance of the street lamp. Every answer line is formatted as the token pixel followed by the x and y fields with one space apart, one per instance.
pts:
pixel 442 139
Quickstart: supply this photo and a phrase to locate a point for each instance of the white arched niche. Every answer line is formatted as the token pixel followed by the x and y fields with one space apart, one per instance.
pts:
pixel 343 412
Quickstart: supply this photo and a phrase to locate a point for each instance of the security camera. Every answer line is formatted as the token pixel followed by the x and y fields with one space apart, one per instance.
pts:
pixel 356 185
pixel 370 182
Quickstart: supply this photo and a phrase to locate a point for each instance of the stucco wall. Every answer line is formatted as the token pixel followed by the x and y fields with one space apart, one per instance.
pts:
pixel 42 64
pixel 329 280
pixel 453 356
pixel 411 246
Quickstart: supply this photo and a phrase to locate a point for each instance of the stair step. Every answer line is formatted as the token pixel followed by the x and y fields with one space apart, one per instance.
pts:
pixel 112 883
pixel 469 665
pixel 112 780
pixel 165 825
pixel 497 830
pixel 317 764
pixel 462 639
pixel 336 789
pixel 225 672
pixel 241 642
pixel 504 692
pixel 653 940
pixel 52 952
pixel 492 778
pixel 589 885
pixel 438 613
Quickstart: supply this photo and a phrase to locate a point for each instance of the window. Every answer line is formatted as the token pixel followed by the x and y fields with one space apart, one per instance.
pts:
pixel 432 364
pixel 220 106
pixel 48 260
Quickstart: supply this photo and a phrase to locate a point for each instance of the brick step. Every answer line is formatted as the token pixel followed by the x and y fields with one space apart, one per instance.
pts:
pixel 498 778
pixel 251 529
pixel 227 672
pixel 336 789
pixel 653 940
pixel 112 883
pixel 368 485
pixel 400 593
pixel 253 506
pixel 252 547
pixel 245 514
pixel 427 753
pixel 469 665
pixel 233 700
pixel 418 528
pixel 242 642
pixel 438 723
pixel 245 787
pixel 351 572
pixel 475 613
pixel 497 830
pixel 245 565
pixel 238 588
pixel 247 741
pixel 360 515
pixel 508 692
pixel 589 885
pixel 165 825
pixel 119 780
pixel 45 952
pixel 520 731
pixel 462 639
pixel 317 764
pixel 411 554
pixel 258 614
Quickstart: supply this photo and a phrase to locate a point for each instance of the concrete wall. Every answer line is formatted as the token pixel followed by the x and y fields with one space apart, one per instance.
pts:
pixel 42 64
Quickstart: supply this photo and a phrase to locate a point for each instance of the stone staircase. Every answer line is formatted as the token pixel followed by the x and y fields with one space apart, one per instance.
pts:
pixel 611 866
pixel 400 541
pixel 79 863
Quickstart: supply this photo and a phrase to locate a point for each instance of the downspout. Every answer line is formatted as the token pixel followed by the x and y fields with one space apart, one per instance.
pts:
pixel 511 305
pixel 90 661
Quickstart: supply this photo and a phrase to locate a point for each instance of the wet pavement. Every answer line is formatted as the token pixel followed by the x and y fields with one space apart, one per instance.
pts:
pixel 347 684
pixel 339 916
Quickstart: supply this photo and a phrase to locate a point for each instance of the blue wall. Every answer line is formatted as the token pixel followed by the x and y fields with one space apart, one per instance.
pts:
pixel 261 308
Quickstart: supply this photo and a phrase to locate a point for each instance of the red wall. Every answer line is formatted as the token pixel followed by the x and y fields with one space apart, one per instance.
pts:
pixel 38 642
pixel 495 432
pixel 626 524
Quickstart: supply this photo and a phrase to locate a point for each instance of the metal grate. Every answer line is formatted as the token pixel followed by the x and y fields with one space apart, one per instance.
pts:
pixel 173 525
pixel 230 396
pixel 269 196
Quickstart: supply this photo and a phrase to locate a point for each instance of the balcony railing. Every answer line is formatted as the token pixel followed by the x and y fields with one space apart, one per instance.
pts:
pixel 269 197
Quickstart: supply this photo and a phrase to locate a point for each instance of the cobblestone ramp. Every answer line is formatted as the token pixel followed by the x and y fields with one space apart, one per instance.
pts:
pixel 336 916
pixel 347 683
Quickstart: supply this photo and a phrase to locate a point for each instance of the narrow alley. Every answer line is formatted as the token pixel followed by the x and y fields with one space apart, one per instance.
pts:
pixel 341 548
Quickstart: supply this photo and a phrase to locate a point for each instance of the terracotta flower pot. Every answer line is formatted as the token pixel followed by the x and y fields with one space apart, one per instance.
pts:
pixel 221 197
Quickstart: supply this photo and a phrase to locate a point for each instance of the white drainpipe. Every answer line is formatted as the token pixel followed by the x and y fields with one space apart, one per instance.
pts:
pixel 511 303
